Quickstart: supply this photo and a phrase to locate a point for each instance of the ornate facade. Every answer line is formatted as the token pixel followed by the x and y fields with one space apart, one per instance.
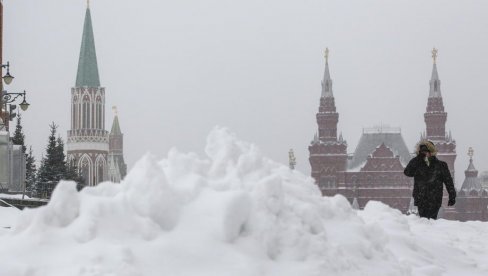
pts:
pixel 88 141
pixel 375 170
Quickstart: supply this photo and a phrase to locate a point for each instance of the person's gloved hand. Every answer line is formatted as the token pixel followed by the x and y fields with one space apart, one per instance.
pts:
pixel 451 202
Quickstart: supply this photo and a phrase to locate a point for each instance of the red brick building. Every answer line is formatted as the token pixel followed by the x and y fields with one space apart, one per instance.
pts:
pixel 472 200
pixel 375 170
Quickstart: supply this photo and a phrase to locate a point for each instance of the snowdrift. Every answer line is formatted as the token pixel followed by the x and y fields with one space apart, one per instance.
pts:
pixel 233 212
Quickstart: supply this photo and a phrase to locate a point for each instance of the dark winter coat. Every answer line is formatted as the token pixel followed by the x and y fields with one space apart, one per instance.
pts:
pixel 429 181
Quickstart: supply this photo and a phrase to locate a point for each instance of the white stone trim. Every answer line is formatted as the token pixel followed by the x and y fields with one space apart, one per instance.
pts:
pixel 87 146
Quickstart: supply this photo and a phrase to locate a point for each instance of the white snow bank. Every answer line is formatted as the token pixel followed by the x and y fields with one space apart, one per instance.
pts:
pixel 235 213
pixel 8 218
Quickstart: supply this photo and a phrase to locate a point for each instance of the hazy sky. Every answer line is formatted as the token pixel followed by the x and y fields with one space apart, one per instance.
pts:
pixel 175 69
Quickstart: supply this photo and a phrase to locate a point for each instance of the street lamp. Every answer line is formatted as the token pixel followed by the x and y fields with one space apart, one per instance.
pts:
pixel 7 78
pixel 24 105
pixel 8 98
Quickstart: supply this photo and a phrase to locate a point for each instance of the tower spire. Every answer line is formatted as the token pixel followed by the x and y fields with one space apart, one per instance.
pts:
pixel 435 82
pixel 471 182
pixel 327 81
pixel 115 125
pixel 435 121
pixel 87 65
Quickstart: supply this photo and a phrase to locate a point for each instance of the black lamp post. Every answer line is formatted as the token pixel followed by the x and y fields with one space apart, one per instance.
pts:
pixel 8 80
pixel 9 98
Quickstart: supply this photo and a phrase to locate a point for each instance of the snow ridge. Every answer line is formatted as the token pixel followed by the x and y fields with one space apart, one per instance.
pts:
pixel 234 212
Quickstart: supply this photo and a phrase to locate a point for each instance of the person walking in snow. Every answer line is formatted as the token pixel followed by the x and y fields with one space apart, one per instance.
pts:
pixel 430 175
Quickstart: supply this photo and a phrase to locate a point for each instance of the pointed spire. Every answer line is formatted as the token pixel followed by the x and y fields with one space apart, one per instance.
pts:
pixel 87 65
pixel 435 82
pixel 115 125
pixel 471 167
pixel 327 81
pixel 471 182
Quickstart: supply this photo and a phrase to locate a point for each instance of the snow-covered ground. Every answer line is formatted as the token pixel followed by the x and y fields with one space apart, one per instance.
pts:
pixel 231 213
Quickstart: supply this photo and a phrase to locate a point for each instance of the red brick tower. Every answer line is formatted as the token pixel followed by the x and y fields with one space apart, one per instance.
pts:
pixel 87 146
pixel 435 121
pixel 328 152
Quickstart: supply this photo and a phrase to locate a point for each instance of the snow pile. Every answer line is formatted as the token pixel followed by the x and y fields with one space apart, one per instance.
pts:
pixel 232 213
pixel 8 217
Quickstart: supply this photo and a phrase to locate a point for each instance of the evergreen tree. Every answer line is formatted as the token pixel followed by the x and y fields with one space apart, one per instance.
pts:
pixel 19 137
pixel 60 159
pixel 54 166
pixel 30 173
pixel 47 176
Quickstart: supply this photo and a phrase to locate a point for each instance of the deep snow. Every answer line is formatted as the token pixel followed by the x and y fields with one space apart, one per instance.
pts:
pixel 233 212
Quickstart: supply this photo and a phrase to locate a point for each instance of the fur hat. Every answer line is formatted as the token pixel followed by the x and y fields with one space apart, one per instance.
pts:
pixel 429 144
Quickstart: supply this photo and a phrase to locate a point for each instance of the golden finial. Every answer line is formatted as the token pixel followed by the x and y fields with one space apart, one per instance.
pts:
pixel 116 112
pixel 88 3
pixel 326 55
pixel 434 54
pixel 470 152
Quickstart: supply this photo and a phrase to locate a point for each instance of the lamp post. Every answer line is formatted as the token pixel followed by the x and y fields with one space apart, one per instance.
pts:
pixel 9 98
pixel 8 78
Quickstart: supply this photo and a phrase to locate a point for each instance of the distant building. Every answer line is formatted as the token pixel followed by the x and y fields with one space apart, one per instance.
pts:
pixel 88 142
pixel 472 200
pixel 117 169
pixel 375 170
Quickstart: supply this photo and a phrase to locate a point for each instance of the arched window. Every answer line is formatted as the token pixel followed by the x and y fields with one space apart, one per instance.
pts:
pixel 99 112
pixel 100 165
pixel 100 173
pixel 84 167
pixel 86 112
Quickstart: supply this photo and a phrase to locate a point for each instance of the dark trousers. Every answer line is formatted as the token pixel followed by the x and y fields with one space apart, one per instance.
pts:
pixel 428 212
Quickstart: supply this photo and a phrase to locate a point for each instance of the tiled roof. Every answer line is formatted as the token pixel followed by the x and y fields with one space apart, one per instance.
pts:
pixel 370 141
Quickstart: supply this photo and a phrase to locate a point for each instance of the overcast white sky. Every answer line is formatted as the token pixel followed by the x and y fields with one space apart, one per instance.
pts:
pixel 175 69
